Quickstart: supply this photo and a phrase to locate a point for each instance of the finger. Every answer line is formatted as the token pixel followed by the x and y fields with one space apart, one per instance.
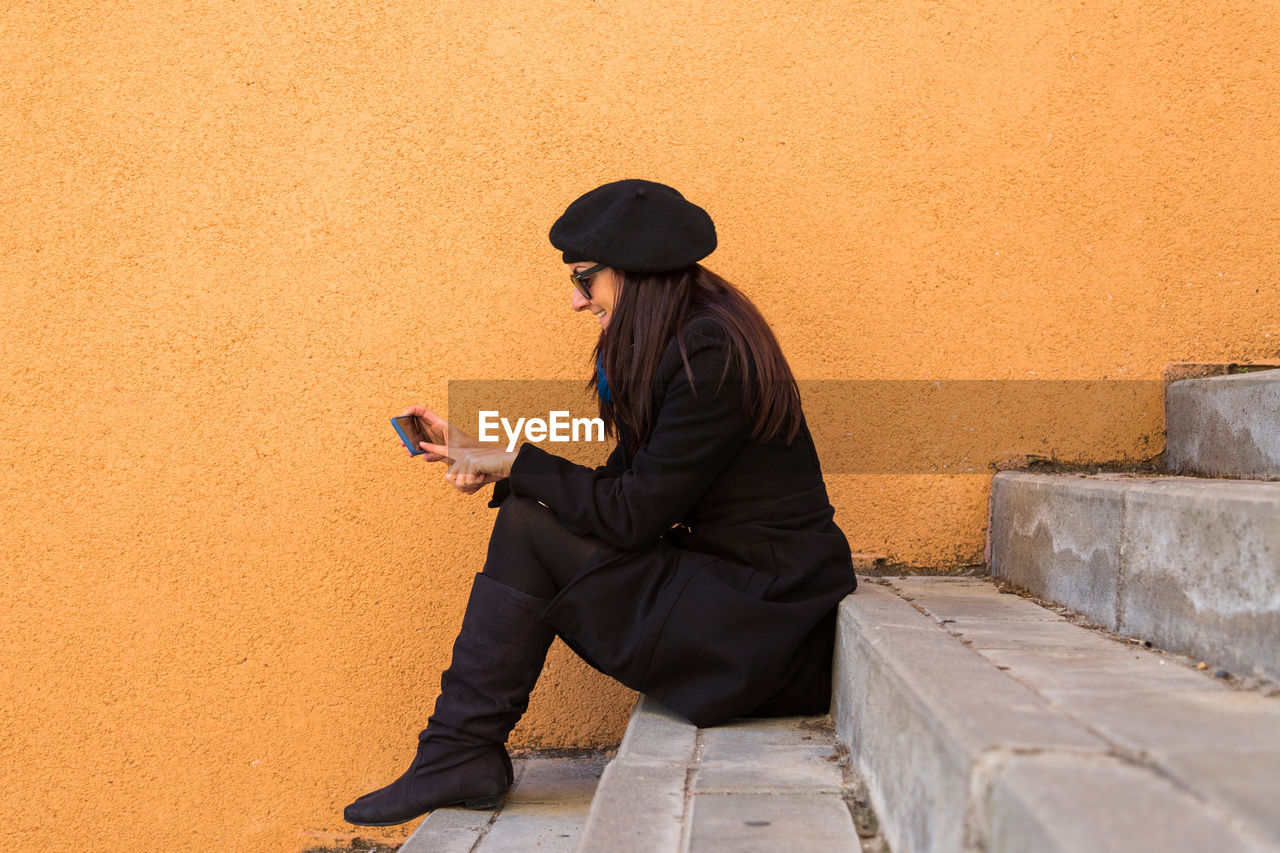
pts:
pixel 431 418
pixel 423 414
pixel 441 450
pixel 417 411
pixel 438 429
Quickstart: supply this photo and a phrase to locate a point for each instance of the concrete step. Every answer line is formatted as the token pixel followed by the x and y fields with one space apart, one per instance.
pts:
pixel 1192 565
pixel 545 811
pixel 750 785
pixel 983 722
pixel 1225 426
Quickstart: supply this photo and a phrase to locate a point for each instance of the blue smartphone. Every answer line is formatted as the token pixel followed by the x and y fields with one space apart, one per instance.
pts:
pixel 411 431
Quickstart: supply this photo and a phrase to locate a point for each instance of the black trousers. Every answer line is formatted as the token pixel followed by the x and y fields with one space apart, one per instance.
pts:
pixel 531 550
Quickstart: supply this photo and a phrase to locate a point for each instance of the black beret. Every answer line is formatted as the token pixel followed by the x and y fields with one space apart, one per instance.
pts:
pixel 636 226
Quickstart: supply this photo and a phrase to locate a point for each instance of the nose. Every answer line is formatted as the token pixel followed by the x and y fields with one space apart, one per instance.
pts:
pixel 577 300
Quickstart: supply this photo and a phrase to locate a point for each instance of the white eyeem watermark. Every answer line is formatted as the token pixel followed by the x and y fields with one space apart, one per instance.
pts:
pixel 558 427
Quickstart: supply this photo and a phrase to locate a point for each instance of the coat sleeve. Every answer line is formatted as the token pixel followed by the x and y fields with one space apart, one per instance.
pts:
pixel 501 489
pixel 613 467
pixel 694 438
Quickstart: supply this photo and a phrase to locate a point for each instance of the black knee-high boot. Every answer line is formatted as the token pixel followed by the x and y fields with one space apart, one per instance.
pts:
pixel 462 758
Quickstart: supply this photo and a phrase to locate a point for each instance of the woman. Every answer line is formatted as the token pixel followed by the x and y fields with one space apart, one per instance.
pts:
pixel 700 565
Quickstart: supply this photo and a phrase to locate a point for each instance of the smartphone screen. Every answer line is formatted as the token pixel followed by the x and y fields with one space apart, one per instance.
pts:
pixel 412 432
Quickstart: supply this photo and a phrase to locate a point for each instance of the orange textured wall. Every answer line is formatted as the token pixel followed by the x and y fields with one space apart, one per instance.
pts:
pixel 238 236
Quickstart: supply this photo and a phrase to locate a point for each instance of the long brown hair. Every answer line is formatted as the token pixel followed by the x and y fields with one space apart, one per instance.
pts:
pixel 651 309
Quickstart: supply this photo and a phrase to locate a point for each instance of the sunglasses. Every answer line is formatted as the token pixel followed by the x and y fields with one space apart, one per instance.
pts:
pixel 579 279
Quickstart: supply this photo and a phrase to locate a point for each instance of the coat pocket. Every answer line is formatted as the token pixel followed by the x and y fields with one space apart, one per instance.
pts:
pixel 765 564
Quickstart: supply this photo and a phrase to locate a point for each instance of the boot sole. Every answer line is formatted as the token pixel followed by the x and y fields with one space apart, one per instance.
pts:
pixel 482 803
pixel 476 804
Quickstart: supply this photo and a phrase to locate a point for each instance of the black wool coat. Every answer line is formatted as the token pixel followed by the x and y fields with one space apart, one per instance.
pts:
pixel 723 566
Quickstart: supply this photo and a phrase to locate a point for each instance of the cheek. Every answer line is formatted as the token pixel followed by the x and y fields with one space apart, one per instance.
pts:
pixel 610 295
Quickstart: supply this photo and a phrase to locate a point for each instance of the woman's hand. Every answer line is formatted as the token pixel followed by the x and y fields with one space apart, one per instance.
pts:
pixel 474 467
pixel 472 464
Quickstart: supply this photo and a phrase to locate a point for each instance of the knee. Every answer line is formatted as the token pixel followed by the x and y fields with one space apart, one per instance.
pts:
pixel 519 515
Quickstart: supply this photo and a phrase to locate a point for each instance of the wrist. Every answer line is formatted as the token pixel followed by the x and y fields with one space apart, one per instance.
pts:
pixel 509 461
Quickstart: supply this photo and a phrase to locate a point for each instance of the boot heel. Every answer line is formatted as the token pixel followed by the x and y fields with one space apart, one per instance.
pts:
pixel 482 803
